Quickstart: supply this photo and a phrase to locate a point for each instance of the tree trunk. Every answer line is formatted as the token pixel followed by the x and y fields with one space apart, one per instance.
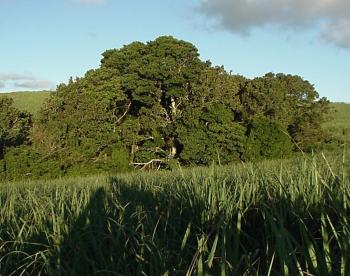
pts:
pixel 173 106
pixel 173 151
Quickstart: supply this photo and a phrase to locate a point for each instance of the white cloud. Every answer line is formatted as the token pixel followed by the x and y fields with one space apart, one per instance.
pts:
pixel 15 76
pixel 34 84
pixel 338 33
pixel 330 17
pixel 23 81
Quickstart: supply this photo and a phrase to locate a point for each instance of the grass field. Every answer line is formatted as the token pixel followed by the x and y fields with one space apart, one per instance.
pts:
pixel 288 217
pixel 340 123
pixel 29 101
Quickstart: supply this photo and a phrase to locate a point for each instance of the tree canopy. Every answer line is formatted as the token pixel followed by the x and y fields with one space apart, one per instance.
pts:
pixel 151 103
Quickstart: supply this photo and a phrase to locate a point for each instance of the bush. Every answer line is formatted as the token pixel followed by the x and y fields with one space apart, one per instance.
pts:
pixel 120 159
pixel 26 162
pixel 267 139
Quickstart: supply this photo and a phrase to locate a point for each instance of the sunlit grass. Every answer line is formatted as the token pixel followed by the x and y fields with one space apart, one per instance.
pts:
pixel 282 217
pixel 339 125
pixel 28 101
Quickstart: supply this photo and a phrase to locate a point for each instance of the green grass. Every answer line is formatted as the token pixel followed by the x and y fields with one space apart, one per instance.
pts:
pixel 339 125
pixel 28 101
pixel 283 217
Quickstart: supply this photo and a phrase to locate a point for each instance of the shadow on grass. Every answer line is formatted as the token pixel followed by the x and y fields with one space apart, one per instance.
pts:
pixel 129 229
pixel 82 250
pixel 122 230
pixel 79 252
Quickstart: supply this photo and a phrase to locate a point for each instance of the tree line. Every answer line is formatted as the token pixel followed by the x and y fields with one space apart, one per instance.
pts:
pixel 157 104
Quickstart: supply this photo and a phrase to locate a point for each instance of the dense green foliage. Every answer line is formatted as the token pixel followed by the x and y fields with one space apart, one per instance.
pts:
pixel 155 104
pixel 267 139
pixel 286 217
pixel 290 101
pixel 14 125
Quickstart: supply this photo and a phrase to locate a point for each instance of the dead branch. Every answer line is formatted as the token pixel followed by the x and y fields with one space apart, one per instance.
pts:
pixel 124 114
pixel 146 164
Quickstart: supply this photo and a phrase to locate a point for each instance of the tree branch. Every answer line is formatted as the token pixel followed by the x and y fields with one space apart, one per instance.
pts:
pixel 145 164
pixel 124 114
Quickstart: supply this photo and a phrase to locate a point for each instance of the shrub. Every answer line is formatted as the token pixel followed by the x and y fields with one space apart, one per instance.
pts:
pixel 26 162
pixel 266 139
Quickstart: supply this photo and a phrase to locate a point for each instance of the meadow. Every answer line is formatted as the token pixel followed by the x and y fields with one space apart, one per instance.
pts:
pixel 339 125
pixel 282 217
pixel 30 101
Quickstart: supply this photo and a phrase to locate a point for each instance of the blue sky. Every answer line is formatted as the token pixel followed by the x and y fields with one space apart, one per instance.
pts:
pixel 43 43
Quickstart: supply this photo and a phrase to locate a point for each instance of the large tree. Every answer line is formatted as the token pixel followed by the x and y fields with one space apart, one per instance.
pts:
pixel 149 103
pixel 158 78
pixel 134 99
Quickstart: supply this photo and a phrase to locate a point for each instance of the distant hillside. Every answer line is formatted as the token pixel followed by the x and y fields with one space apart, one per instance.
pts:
pixel 339 125
pixel 30 101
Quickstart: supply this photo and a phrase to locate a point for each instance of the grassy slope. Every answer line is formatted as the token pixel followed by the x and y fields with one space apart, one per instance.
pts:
pixel 29 101
pixel 340 123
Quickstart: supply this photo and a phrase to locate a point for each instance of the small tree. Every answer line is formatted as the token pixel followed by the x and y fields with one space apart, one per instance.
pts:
pixel 266 139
